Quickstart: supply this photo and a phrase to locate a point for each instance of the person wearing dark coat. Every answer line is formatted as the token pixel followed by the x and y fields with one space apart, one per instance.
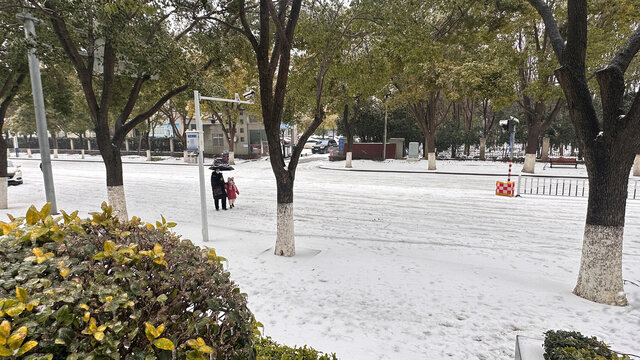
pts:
pixel 217 187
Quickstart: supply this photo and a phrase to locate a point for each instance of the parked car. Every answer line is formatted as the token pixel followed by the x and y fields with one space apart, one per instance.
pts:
pixel 311 143
pixel 14 174
pixel 324 146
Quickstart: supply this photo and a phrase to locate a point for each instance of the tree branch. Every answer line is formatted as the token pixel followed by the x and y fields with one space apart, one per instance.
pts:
pixel 626 54
pixel 121 132
pixel 551 26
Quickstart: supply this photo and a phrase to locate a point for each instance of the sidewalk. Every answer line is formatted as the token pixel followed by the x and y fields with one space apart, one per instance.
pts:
pixel 457 167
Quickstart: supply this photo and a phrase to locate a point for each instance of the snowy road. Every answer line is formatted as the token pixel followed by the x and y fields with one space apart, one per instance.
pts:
pixel 410 266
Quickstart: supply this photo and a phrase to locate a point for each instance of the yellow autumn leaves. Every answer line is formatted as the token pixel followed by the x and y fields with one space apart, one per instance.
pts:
pixel 12 343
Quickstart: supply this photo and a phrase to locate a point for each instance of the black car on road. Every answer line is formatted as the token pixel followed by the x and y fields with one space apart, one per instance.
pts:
pixel 324 146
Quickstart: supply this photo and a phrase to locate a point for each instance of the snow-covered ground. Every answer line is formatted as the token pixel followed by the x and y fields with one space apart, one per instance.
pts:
pixel 390 265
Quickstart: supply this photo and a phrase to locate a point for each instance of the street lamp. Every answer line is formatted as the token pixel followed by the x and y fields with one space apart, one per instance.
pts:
pixel 203 199
pixel 38 104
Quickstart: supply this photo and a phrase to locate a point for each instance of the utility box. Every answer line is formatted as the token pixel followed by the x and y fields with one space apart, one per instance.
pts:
pixel 414 151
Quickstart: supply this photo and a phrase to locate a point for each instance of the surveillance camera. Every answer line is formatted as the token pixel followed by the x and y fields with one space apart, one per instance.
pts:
pixel 504 123
pixel 514 119
pixel 249 94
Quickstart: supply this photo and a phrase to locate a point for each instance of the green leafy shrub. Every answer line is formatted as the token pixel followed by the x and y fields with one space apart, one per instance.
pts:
pixel 571 345
pixel 99 288
pixel 270 350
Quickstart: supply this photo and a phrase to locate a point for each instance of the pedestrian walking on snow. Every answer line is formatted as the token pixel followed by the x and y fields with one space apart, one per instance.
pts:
pixel 232 191
pixel 217 187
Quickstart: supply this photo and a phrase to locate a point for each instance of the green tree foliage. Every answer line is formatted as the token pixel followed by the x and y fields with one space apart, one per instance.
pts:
pixel 130 57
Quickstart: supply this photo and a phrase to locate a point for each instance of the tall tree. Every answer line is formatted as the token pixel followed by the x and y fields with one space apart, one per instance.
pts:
pixel 540 98
pixel 273 39
pixel 13 72
pixel 130 58
pixel 609 141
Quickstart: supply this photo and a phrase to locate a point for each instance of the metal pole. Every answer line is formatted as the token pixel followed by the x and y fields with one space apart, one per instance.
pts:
pixel 510 154
pixel 203 193
pixel 384 137
pixel 38 104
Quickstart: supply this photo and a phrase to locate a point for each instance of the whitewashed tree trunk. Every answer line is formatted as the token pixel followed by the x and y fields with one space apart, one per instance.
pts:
pixel 545 150
pixel 636 165
pixel 82 154
pixel 600 277
pixel 432 161
pixel 529 163
pixel 71 144
pixel 185 156
pixel 8 153
pixel 285 241
pixel 55 153
pixel 29 155
pixel 88 145
pixel 148 155
pixel 4 193
pixel 117 200
pixel 232 160
pixel 483 148
pixel 126 145
pixel 171 146
pixel 349 157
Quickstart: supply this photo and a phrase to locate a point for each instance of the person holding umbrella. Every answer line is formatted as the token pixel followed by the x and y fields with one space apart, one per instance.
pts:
pixel 217 187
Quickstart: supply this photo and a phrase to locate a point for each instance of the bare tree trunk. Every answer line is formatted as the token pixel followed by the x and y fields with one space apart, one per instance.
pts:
pixel 483 148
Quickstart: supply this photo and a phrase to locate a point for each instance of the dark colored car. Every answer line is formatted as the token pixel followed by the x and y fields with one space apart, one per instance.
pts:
pixel 324 146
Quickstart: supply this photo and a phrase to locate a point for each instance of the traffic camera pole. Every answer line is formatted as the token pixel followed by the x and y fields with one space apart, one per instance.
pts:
pixel 38 104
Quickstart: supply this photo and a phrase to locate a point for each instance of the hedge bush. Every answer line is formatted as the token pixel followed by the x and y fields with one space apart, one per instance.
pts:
pixel 99 288
pixel 270 350
pixel 571 345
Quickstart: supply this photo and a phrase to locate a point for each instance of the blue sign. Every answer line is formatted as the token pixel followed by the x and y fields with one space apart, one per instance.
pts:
pixel 341 144
pixel 192 141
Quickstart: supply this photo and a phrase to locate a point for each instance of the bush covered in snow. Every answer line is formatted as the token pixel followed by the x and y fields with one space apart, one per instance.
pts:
pixel 99 288
pixel 571 345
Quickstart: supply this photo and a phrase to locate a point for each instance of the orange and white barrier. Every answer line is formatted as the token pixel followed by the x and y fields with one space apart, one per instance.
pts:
pixel 505 188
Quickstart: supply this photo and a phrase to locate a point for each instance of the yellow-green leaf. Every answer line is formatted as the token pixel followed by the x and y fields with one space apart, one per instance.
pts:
pixel 150 227
pixel 27 346
pixel 39 232
pixel 17 338
pixel 164 344
pixel 109 246
pixel 98 335
pixel 45 211
pixel 150 331
pixel 5 352
pixel 5 330
pixel 31 304
pixel 32 215
pixel 64 272
pixel 21 294
pixel 15 310
pixel 84 306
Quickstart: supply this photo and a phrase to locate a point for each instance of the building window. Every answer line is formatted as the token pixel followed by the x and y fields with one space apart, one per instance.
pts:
pixel 241 112
pixel 192 126
pixel 217 140
pixel 241 138
pixel 241 130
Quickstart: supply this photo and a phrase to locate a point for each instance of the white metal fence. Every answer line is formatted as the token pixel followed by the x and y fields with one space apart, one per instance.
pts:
pixel 564 186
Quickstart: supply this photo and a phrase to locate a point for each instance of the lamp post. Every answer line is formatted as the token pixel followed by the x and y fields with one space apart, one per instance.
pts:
pixel 203 193
pixel 38 104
